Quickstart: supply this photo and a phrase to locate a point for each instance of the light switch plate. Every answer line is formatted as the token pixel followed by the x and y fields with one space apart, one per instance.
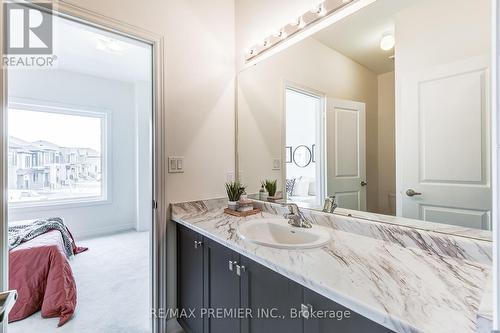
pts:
pixel 175 164
pixel 276 164
pixel 230 177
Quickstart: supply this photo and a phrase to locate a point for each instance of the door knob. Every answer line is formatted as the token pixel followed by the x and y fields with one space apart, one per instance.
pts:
pixel 363 183
pixel 411 192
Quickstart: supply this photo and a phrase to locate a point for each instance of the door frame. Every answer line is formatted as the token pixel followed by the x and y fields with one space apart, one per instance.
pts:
pixel 495 162
pixel 321 162
pixel 158 248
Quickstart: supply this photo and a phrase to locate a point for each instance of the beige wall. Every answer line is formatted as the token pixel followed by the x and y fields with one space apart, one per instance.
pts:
pixel 386 142
pixel 199 90
pixel 312 65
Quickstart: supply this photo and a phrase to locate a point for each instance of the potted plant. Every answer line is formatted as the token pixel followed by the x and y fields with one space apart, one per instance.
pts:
pixel 234 191
pixel 270 186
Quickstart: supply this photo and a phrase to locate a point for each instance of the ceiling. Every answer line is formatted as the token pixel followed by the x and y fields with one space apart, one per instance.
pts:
pixel 85 49
pixel 358 36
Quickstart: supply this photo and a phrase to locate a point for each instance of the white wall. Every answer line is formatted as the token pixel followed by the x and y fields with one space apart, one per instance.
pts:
pixel 117 99
pixel 386 143
pixel 143 167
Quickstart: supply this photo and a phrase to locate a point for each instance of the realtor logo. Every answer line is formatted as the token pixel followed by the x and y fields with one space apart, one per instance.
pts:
pixel 28 29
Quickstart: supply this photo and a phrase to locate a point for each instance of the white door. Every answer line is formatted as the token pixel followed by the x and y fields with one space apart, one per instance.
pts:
pixel 443 150
pixel 345 147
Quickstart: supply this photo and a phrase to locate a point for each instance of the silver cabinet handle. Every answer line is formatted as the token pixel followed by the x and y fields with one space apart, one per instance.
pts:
pixel 411 192
pixel 231 263
pixel 197 244
pixel 239 269
pixel 306 310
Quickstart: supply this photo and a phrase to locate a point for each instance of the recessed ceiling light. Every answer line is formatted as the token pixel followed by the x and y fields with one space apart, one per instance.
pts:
pixel 110 45
pixel 387 42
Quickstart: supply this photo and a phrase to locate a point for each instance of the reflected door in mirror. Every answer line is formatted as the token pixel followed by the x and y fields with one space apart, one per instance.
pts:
pixel 444 146
pixel 345 146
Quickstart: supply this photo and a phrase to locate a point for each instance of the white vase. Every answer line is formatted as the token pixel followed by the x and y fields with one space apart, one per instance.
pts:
pixel 263 196
pixel 233 205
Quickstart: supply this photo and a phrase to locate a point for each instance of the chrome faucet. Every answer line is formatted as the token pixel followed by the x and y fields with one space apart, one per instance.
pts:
pixel 295 216
pixel 330 204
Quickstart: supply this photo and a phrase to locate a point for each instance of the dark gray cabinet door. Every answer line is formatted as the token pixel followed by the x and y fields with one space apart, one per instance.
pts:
pixel 355 323
pixel 189 278
pixel 271 298
pixel 222 289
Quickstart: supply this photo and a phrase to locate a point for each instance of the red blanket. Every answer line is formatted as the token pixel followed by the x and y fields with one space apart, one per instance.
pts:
pixel 42 276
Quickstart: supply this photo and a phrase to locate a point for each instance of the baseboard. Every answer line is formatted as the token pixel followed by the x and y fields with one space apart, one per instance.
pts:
pixel 104 230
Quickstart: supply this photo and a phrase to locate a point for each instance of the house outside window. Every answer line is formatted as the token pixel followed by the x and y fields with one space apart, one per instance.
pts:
pixel 63 154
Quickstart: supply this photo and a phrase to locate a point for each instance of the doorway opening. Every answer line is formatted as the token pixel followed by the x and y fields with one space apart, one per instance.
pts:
pixel 304 164
pixel 80 160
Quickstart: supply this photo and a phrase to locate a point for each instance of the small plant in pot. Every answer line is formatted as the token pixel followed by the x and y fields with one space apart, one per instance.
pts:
pixel 270 186
pixel 234 191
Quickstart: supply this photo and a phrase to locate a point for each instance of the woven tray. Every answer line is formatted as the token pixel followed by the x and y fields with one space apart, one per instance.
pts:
pixel 242 214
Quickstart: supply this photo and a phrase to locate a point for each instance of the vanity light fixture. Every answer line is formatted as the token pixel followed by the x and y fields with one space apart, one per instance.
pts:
pixel 387 42
pixel 302 22
pixel 282 34
pixel 319 10
pixel 323 9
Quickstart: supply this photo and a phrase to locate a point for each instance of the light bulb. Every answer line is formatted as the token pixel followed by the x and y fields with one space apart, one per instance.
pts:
pixel 387 42
pixel 302 24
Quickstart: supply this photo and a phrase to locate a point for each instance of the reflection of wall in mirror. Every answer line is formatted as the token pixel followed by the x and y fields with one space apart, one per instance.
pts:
pixel 260 106
pixel 386 144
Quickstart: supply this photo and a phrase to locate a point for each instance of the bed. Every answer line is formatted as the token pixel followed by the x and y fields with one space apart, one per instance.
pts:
pixel 302 190
pixel 41 273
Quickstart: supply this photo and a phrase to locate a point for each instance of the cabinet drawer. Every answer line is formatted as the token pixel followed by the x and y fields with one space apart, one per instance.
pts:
pixel 340 319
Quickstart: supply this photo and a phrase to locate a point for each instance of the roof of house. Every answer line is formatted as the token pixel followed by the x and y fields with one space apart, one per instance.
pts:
pixel 43 145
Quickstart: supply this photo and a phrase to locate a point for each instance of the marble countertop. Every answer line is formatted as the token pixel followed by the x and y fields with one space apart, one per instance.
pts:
pixel 406 289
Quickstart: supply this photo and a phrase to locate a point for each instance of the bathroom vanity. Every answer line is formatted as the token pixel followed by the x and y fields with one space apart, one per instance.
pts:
pixel 370 277
pixel 212 277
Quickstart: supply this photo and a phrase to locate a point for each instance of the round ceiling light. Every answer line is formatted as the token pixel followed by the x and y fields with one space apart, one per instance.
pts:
pixel 387 42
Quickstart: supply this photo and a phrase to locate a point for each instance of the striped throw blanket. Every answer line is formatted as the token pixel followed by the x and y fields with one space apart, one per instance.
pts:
pixel 21 233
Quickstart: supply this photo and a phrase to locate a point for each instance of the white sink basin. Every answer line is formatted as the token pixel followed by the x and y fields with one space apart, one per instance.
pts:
pixel 276 232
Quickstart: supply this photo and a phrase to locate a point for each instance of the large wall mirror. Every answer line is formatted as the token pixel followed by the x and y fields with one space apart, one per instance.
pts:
pixel 387 109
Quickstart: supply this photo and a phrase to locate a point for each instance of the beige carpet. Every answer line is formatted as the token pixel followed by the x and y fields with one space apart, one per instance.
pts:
pixel 112 280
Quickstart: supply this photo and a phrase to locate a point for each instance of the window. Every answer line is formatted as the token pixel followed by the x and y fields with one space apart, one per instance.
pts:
pixel 63 153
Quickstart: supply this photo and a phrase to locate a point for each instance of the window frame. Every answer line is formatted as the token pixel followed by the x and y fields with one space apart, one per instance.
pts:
pixel 106 152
